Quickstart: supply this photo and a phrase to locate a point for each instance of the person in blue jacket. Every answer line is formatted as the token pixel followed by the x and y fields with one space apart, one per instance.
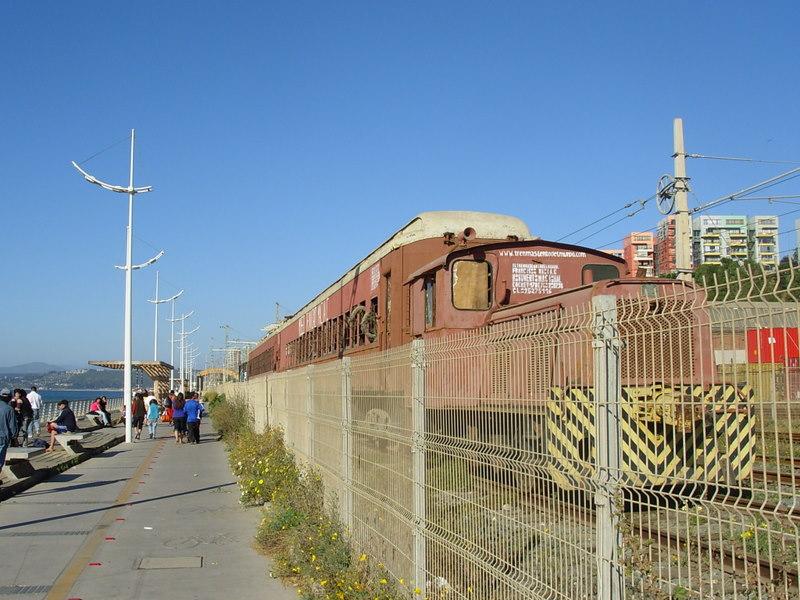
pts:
pixel 193 409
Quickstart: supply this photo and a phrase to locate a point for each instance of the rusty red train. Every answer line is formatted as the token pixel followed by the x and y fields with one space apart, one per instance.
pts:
pixel 447 272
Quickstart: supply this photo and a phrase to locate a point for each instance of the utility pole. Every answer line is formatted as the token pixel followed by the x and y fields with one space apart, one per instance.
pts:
pixel 683 225
pixel 131 191
pixel 155 332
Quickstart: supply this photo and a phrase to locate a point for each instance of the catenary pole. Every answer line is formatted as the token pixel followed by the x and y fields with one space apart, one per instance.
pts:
pixel 683 226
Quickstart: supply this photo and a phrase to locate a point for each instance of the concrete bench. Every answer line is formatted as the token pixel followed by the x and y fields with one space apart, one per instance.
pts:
pixel 18 463
pixel 65 439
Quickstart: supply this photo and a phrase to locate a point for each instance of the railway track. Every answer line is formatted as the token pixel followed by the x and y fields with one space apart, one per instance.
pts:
pixel 728 558
pixel 787 436
pixel 770 476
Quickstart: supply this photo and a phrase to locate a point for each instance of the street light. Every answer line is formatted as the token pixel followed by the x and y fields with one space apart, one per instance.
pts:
pixel 155 332
pixel 182 318
pixel 128 268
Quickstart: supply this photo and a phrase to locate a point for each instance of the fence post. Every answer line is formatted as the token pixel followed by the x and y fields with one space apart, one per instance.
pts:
pixel 347 445
pixel 418 457
pixel 607 395
pixel 310 410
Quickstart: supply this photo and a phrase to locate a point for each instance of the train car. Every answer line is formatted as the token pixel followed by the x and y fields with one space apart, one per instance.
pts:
pixel 369 308
pixel 449 272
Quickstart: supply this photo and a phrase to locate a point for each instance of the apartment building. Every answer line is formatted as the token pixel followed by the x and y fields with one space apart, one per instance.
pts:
pixel 664 249
pixel 618 252
pixel 637 251
pixel 762 237
pixel 719 236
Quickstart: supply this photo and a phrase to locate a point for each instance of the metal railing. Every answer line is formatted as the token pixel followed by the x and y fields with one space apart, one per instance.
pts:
pixel 49 410
pixel 631 447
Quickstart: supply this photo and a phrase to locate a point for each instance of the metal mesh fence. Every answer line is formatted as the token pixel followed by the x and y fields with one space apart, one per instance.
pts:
pixel 631 445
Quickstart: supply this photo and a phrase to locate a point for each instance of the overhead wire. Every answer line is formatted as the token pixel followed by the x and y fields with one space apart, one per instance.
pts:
pixel 744 159
pixel 98 153
pixel 642 205
pixel 611 214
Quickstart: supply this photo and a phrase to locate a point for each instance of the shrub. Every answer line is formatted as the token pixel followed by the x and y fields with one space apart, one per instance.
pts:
pixel 305 538
pixel 263 466
pixel 212 399
pixel 231 416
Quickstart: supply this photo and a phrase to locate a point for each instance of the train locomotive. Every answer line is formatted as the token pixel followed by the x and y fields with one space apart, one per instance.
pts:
pixel 450 273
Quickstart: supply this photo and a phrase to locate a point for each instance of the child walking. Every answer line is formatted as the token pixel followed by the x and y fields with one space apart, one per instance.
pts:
pixel 152 418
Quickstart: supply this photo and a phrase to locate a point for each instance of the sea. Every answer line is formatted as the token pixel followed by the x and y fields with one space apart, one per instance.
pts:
pixel 73 395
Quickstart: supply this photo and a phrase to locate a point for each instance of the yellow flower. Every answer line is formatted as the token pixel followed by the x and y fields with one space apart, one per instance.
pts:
pixel 362 558
pixel 417 591
pixel 323 582
pixel 383 581
pixel 313 557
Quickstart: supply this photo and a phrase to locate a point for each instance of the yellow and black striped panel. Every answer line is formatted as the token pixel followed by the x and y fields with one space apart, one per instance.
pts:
pixel 718 446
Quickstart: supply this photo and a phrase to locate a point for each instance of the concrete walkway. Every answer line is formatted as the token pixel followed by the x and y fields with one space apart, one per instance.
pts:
pixel 153 520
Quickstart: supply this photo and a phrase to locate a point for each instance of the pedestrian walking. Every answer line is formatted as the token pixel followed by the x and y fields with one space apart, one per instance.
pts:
pixel 179 418
pixel 153 415
pixel 192 409
pixel 8 424
pixel 36 404
pixel 24 414
pixel 138 412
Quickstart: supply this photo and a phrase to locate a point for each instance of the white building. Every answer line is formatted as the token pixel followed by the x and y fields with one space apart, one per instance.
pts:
pixel 719 236
pixel 762 233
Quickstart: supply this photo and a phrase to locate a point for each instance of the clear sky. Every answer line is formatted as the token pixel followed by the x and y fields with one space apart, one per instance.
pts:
pixel 286 140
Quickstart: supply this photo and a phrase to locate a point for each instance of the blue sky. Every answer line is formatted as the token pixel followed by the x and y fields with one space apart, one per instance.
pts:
pixel 285 140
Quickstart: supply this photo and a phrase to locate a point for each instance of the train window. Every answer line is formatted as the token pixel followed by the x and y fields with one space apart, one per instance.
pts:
pixel 592 273
pixel 429 288
pixel 472 284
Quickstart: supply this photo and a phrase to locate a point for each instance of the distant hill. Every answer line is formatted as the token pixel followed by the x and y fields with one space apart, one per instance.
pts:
pixel 76 379
pixel 31 368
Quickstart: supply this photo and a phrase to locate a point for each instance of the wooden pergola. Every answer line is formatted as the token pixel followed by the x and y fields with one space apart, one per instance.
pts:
pixel 158 371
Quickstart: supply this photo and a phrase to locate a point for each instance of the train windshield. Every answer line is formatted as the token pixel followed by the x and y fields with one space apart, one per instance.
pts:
pixel 592 273
pixel 472 285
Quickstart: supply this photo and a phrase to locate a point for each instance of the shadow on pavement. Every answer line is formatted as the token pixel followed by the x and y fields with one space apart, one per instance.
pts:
pixel 105 508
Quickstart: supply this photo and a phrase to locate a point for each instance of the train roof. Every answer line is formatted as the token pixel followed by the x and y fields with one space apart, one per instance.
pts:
pixel 426 225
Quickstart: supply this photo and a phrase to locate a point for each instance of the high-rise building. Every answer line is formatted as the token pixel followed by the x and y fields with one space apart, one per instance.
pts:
pixel 719 236
pixel 762 233
pixel 664 250
pixel 618 252
pixel 638 253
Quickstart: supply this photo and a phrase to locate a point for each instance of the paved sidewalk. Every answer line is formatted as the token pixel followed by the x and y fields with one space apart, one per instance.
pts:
pixel 90 532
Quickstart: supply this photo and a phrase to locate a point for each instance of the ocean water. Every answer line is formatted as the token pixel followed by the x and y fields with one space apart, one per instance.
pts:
pixel 73 395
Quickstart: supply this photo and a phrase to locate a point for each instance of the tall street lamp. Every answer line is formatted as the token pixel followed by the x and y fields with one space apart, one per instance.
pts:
pixel 155 332
pixel 128 268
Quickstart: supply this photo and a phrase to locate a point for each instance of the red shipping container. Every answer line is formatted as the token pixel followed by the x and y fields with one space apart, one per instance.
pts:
pixel 779 345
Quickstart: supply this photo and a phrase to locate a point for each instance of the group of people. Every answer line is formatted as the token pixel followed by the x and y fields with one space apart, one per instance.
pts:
pixel 19 418
pixel 27 410
pixel 20 414
pixel 184 412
